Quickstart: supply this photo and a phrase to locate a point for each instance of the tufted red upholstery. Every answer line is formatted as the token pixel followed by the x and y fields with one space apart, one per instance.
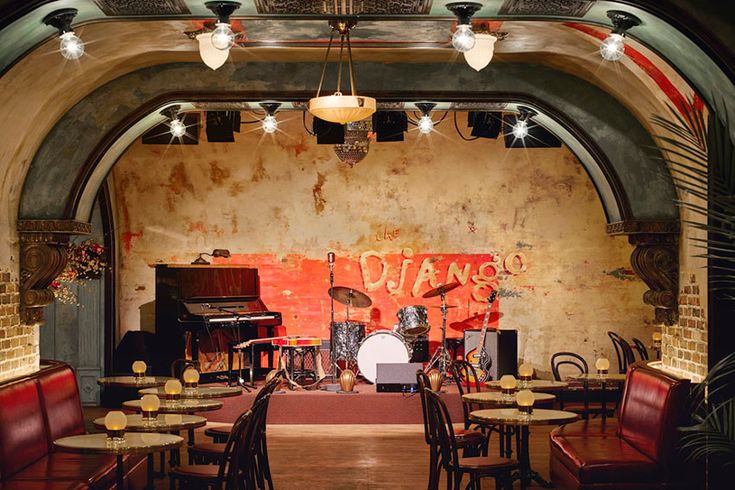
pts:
pixel 34 411
pixel 60 397
pixel 23 437
pixel 635 452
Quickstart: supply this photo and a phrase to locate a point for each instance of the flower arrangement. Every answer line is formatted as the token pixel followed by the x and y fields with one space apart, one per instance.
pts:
pixel 86 260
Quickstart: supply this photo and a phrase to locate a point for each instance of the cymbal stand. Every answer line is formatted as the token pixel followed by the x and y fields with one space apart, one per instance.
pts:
pixel 332 360
pixel 441 357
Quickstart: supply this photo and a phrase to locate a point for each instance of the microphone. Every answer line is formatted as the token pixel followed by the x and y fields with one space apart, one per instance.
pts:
pixel 330 257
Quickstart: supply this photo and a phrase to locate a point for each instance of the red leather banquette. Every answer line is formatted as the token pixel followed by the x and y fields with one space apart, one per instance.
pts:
pixel 636 451
pixel 34 411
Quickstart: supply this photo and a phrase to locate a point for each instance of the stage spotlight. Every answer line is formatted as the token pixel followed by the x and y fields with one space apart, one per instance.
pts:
pixel 485 124
pixel 389 125
pixel 328 133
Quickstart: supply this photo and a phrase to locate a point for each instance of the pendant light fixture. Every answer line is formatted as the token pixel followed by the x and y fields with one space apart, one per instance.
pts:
pixel 339 108
pixel 222 37
pixel 425 124
pixel 613 48
pixel 463 38
pixel 520 128
pixel 70 47
pixel 269 124
pixel 176 126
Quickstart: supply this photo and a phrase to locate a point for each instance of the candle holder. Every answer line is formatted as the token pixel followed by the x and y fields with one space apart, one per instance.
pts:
pixel 173 388
pixel 602 365
pixel 139 368
pixel 525 400
pixel 525 374
pixel 149 405
pixel 191 378
pixel 508 386
pixel 115 423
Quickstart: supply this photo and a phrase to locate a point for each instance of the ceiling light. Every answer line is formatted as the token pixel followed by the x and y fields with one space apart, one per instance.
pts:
pixel 71 46
pixel 176 126
pixel 482 53
pixel 463 38
pixel 338 108
pixel 425 124
pixel 211 56
pixel 613 48
pixel 520 128
pixel 270 123
pixel 356 143
pixel 222 37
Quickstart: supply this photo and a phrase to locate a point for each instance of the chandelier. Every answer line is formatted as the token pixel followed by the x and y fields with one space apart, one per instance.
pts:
pixel 357 142
pixel 339 108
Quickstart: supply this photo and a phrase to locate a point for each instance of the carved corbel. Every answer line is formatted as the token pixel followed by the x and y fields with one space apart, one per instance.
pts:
pixel 655 260
pixel 42 259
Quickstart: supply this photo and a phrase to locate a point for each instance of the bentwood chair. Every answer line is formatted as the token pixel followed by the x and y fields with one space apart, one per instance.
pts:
pixel 477 467
pixel 622 350
pixel 249 462
pixel 641 348
pixel 465 375
pixel 572 398
pixel 469 440
pixel 211 476
pixel 211 453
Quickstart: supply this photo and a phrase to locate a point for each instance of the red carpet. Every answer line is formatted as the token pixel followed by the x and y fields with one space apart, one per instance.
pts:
pixel 322 407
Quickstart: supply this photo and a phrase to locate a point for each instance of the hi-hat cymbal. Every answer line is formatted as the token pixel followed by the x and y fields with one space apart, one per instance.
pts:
pixel 350 297
pixel 475 322
pixel 448 306
pixel 445 288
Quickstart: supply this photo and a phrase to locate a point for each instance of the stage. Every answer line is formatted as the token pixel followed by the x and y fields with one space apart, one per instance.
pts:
pixel 328 407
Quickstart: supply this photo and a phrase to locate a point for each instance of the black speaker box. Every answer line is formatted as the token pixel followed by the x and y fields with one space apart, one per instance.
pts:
pixel 501 346
pixel 397 377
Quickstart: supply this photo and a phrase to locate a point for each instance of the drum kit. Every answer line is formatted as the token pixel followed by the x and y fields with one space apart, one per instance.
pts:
pixel 350 345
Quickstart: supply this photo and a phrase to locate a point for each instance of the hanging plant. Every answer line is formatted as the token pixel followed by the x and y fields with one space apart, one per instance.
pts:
pixel 86 260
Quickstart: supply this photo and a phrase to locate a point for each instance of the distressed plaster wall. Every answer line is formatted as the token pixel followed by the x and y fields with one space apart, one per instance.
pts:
pixel 268 200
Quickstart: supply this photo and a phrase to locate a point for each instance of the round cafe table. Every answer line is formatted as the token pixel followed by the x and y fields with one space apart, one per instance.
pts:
pixel 133 442
pixel 533 385
pixel 200 392
pixel 133 382
pixel 497 399
pixel 522 422
pixel 163 423
pixel 604 381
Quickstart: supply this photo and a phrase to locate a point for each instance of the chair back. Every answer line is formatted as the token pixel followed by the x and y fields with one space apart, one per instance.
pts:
pixel 423 383
pixel 641 348
pixel 179 366
pixel 243 470
pixel 568 359
pixel 441 429
pixel 464 372
pixel 233 441
pixel 622 350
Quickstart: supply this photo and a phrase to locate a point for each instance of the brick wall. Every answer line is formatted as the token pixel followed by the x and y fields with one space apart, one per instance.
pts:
pixel 18 343
pixel 684 346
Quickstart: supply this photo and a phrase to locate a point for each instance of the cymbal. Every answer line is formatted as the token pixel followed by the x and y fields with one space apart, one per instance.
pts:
pixel 439 307
pixel 475 322
pixel 445 288
pixel 350 297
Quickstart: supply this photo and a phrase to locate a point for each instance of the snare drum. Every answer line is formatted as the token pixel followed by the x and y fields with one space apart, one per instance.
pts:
pixel 382 346
pixel 413 321
pixel 346 338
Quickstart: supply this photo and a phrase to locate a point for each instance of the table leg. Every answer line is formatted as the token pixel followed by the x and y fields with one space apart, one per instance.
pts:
pixel 151 471
pixel 604 401
pixel 527 473
pixel 586 384
pixel 120 471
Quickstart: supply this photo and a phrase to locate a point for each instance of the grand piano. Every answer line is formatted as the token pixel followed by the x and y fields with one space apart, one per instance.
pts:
pixel 200 309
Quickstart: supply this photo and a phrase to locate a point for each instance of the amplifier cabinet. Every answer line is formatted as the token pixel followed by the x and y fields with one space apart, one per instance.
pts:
pixel 501 346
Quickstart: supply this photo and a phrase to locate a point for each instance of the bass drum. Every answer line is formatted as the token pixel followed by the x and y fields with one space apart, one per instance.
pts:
pixel 380 347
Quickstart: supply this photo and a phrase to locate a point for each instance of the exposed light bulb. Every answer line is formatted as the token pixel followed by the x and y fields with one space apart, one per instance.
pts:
pixel 613 48
pixel 426 125
pixel 270 124
pixel 520 129
pixel 178 128
pixel 222 37
pixel 463 38
pixel 71 47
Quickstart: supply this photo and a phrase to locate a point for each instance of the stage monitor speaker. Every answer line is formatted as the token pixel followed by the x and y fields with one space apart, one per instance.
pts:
pixel 501 345
pixel 397 377
pixel 328 133
pixel 485 124
pixel 389 125
pixel 160 134
pixel 221 126
pixel 538 136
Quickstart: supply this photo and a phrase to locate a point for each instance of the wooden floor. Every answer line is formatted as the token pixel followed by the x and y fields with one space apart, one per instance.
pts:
pixel 358 456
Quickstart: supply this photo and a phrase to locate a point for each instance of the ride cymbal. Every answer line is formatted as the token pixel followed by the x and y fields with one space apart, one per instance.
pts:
pixel 350 297
pixel 444 288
